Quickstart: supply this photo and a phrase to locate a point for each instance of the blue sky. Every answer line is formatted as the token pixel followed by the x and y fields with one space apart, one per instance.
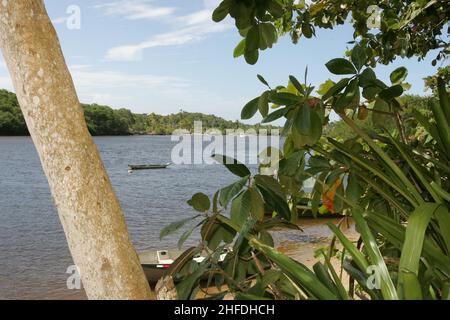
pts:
pixel 165 55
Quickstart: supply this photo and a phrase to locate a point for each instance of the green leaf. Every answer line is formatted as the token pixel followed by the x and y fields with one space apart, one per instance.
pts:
pixel 228 193
pixel 390 93
pixel 296 271
pixel 240 49
pixel 370 92
pixel 443 218
pixel 352 250
pixel 303 121
pixel 367 77
pixel 358 57
pixel 378 118
pixel 275 202
pixel 275 115
pixel 354 190
pixel 186 235
pixel 398 75
pixel 412 249
pixel 214 232
pixel 250 109
pixel 251 56
pixel 297 84
pixel 443 124
pixel 261 78
pixel 252 39
pixel 221 11
pixel 240 208
pixel 284 98
pixel 174 227
pixel 307 30
pixel 270 184
pixel 387 287
pixel 275 9
pixel 267 35
pixel 263 104
pixel 232 165
pixel 186 287
pixel 350 97
pixel 200 202
pixel 257 204
pixel 338 87
pixel 316 132
pixel 325 87
pixel 340 66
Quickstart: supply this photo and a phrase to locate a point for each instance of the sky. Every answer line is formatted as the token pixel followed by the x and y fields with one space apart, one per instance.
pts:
pixel 164 56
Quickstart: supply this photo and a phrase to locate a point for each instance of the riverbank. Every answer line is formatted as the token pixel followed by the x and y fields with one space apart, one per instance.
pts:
pixel 315 230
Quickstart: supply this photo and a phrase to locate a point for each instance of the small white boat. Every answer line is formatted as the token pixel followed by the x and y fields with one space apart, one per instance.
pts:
pixel 156 263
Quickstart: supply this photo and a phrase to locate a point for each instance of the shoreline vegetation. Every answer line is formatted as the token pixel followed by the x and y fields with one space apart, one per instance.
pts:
pixel 105 121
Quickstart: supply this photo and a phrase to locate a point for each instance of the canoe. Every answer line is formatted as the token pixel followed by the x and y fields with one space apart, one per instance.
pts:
pixel 148 166
pixel 156 263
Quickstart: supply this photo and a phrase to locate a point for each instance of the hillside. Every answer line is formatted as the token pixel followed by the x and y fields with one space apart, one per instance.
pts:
pixel 104 120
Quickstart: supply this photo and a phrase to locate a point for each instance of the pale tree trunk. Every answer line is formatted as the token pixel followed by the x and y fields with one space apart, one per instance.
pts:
pixel 87 205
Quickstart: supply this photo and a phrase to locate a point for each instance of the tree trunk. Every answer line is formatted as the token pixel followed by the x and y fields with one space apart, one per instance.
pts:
pixel 88 208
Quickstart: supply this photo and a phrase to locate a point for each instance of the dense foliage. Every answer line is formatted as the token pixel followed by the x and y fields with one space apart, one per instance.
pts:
pixel 104 120
pixel 388 171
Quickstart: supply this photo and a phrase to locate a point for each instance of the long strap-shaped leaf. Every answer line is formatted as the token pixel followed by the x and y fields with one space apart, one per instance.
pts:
pixel 416 170
pixel 441 113
pixel 389 162
pixel 369 167
pixel 408 284
pixel 443 218
pixel 395 234
pixel 387 286
pixel 296 271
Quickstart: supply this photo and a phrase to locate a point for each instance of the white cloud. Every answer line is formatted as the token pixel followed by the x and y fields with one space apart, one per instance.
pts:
pixel 114 88
pixel 84 76
pixel 134 9
pixel 178 37
pixel 191 27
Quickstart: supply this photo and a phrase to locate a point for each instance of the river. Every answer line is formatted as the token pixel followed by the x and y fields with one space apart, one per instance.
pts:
pixel 34 256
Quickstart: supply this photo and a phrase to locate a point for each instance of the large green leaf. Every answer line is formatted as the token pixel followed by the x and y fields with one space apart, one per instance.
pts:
pixel 267 35
pixel 338 87
pixel 358 56
pixel 200 202
pixel 277 114
pixel 350 98
pixel 240 49
pixel 387 287
pixel 222 10
pixel 240 208
pixel 297 272
pixel 399 75
pixel 250 109
pixel 340 66
pixel 232 165
pixel 412 250
pixel 284 98
pixel 228 193
pixel 174 227
pixel 392 92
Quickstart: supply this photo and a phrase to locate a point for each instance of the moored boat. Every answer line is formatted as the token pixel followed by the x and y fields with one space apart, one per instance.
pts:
pixel 147 166
pixel 156 263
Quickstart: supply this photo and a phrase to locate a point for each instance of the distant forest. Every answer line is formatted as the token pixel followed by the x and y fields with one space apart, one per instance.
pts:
pixel 104 120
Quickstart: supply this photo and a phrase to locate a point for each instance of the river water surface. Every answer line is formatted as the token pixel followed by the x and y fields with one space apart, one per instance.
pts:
pixel 33 252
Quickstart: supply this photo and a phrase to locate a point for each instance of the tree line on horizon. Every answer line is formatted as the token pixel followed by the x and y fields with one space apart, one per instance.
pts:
pixel 103 120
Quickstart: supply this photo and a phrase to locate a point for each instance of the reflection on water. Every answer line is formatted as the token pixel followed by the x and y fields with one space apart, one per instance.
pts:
pixel 33 252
